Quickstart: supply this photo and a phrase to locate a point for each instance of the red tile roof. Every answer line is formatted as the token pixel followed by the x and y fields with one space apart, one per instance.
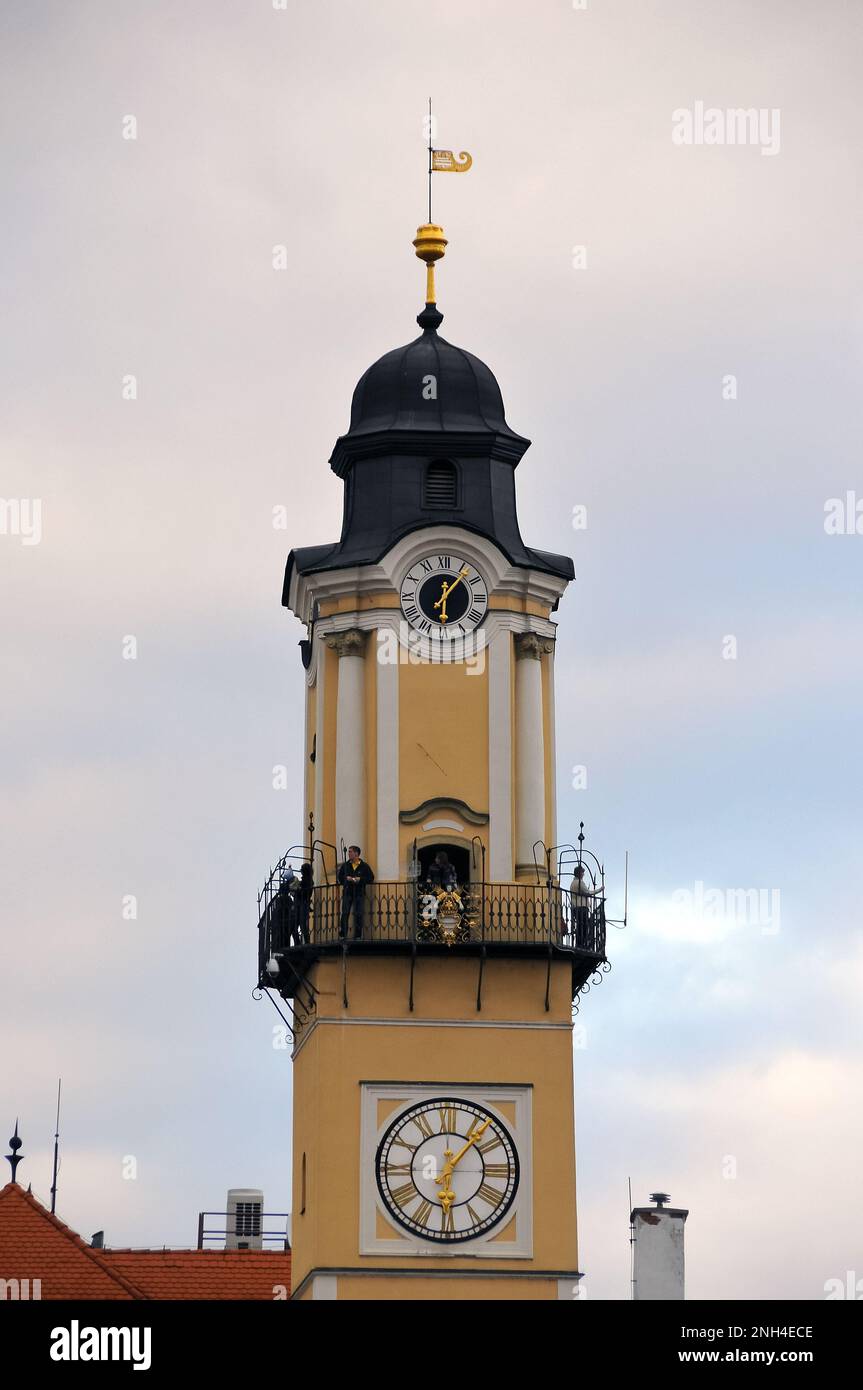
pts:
pixel 36 1245
pixel 262 1274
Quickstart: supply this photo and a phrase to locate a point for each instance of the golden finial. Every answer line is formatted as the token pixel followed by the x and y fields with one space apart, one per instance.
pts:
pixel 430 245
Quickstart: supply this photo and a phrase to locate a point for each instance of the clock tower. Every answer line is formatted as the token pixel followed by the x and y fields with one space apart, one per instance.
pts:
pixel 430 1009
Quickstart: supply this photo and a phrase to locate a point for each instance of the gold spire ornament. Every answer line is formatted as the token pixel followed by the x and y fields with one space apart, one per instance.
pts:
pixel 430 245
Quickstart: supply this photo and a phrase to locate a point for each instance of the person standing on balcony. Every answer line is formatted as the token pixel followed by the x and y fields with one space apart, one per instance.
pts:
pixel 303 904
pixel 353 875
pixel 283 909
pixel 582 896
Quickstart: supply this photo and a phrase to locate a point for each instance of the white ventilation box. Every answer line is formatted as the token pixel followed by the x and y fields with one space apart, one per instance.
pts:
pixel 245 1213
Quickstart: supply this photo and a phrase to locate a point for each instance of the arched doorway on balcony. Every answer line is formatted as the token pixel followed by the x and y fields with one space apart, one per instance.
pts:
pixel 458 855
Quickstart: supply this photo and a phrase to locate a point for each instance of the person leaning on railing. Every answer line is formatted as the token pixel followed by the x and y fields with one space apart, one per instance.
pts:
pixel 354 875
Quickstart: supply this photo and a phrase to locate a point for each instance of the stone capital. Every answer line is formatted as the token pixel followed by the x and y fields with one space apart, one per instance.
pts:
pixel 349 643
pixel 531 644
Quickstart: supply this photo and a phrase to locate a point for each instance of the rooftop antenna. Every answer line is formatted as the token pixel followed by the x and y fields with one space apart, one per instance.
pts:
pixel 56 1150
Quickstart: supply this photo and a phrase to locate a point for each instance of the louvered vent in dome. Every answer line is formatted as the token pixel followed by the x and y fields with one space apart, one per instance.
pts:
pixel 440 488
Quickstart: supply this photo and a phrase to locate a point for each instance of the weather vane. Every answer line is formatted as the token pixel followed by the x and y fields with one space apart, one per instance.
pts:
pixel 444 161
pixel 430 242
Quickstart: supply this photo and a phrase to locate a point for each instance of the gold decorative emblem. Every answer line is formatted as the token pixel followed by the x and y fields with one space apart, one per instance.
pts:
pixel 445 916
pixel 445 162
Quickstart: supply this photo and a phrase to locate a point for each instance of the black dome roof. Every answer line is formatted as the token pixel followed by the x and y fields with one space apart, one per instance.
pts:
pixel 393 395
pixel 390 394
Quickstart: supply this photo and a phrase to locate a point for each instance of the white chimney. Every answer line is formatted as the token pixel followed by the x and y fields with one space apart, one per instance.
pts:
pixel 657 1239
pixel 244 1223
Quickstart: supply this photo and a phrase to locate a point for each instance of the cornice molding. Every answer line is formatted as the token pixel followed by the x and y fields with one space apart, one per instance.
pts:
pixel 498 624
pixel 507 446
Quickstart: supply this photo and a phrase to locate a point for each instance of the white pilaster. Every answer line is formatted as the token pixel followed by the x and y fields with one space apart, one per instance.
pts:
pixel 350 737
pixel 320 713
pixel 553 759
pixel 387 675
pixel 529 746
pixel 499 657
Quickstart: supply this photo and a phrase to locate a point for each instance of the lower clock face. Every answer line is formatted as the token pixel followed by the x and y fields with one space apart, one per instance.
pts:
pixel 444 596
pixel 447 1169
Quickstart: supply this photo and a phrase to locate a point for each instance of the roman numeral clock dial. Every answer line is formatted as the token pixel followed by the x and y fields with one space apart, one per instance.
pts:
pixel 444 597
pixel 447 1170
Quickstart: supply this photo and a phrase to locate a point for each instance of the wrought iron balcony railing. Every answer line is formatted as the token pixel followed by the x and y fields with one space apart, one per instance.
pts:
pixel 407 913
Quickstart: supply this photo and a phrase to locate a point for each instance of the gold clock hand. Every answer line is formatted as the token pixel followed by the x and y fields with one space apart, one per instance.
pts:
pixel 469 1145
pixel 446 591
pixel 445 1175
pixel 441 603
pixel 447 1197
pixel 448 588
pixel 462 576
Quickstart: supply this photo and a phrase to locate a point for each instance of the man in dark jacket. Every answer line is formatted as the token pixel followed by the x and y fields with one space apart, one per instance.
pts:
pixel 353 875
pixel 303 904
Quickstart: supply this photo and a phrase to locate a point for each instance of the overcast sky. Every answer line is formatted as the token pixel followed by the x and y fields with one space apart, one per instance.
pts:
pixel 720 1060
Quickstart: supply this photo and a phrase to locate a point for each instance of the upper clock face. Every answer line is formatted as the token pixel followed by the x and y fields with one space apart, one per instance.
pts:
pixel 444 596
pixel 447 1169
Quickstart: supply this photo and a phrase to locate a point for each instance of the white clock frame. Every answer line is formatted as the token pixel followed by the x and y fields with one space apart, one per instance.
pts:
pixel 407 1243
pixel 442 634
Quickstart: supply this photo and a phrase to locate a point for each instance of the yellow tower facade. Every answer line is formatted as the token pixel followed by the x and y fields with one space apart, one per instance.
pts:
pixel 434 1131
